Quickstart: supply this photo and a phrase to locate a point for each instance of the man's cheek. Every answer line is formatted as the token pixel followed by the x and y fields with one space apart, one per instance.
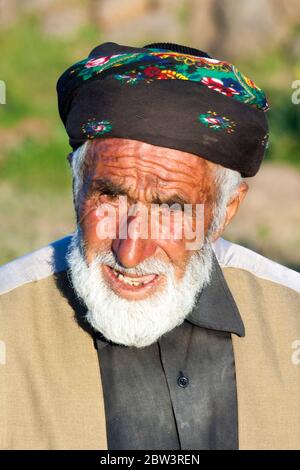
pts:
pixel 104 221
pixel 94 234
pixel 88 223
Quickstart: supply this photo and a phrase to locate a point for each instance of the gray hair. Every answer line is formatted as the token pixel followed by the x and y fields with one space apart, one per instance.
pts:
pixel 227 181
pixel 77 166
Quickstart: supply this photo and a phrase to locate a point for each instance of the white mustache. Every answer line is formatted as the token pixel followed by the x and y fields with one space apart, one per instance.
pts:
pixel 147 267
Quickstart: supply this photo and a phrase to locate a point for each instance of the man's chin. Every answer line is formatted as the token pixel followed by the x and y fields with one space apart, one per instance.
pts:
pixel 132 287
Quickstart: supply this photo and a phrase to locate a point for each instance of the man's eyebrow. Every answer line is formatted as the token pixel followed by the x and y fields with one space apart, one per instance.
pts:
pixel 170 200
pixel 106 186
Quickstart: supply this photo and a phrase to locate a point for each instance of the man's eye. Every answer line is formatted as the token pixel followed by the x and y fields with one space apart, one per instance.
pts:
pixel 110 196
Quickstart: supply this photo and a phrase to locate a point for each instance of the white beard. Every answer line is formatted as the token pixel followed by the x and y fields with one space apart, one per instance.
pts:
pixel 137 323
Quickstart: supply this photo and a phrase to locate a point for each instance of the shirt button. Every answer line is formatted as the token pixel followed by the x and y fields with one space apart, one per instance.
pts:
pixel 182 380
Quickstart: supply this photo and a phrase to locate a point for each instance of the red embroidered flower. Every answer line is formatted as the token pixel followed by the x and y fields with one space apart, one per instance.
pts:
pixel 228 91
pixel 217 85
pixel 213 121
pixel 96 128
pixel 99 128
pixel 152 71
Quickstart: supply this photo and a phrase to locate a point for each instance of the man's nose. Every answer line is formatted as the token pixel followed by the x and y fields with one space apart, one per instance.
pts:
pixel 133 249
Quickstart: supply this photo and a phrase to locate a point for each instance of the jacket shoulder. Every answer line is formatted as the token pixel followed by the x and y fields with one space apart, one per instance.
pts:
pixel 255 266
pixel 34 266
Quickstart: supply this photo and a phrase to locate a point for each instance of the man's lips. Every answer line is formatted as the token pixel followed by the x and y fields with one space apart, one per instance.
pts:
pixel 129 282
pixel 134 280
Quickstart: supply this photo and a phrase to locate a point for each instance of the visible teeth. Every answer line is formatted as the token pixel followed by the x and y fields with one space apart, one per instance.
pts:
pixel 128 280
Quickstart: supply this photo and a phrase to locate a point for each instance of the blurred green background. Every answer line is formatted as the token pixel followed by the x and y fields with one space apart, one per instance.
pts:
pixel 40 39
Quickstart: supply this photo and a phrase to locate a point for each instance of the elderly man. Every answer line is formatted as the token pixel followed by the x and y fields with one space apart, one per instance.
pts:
pixel 145 329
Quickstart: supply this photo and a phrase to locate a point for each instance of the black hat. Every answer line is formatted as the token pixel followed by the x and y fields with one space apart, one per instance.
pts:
pixel 166 95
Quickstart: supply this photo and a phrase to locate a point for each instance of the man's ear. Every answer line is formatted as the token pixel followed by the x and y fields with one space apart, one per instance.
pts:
pixel 234 204
pixel 232 208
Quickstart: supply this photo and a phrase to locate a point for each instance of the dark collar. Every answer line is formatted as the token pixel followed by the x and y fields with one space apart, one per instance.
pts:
pixel 215 307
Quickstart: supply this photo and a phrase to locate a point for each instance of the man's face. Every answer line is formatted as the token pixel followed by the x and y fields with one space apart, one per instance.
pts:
pixel 137 288
pixel 145 174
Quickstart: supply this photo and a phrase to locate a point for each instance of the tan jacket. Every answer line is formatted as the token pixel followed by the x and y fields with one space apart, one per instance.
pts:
pixel 50 386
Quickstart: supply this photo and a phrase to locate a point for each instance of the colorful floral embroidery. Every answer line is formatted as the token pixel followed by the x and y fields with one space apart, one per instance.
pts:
pixel 98 62
pixel 132 77
pixel 217 75
pixel 149 74
pixel 219 85
pixel 94 128
pixel 204 62
pixel 172 74
pixel 265 141
pixel 217 123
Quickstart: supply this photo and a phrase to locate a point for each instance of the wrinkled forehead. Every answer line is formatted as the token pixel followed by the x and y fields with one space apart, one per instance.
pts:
pixel 125 159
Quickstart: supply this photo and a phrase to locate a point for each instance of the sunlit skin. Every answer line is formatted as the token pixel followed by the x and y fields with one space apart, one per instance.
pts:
pixel 147 174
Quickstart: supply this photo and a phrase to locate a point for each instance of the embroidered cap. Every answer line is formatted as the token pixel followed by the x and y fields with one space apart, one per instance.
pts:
pixel 166 95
